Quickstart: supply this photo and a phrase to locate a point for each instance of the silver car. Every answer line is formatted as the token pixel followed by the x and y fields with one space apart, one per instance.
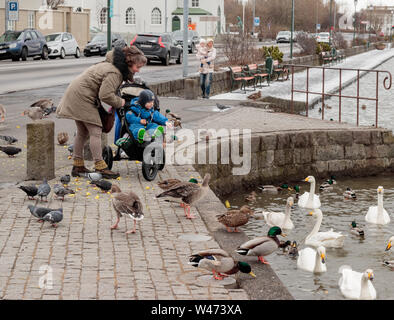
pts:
pixel 62 44
pixel 323 37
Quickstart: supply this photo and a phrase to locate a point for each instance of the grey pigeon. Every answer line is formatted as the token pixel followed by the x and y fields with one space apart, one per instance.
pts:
pixel 104 185
pixel 61 191
pixel 9 139
pixel 31 191
pixel 92 176
pixel 40 212
pixel 71 149
pixel 43 190
pixel 53 217
pixel 65 179
pixel 48 111
pixel 10 151
pixel 221 106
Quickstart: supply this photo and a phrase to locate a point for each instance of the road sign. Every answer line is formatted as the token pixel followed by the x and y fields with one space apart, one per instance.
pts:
pixel 318 26
pixel 256 21
pixel 13 11
pixel 111 8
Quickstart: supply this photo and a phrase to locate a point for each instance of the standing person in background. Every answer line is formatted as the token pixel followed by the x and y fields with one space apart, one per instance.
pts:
pixel 207 58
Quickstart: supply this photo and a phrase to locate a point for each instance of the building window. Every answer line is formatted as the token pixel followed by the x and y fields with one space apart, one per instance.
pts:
pixel 130 16
pixel 195 3
pixel 30 21
pixel 103 16
pixel 156 16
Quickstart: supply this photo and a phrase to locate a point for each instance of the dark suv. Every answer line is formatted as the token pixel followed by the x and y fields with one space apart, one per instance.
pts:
pixel 193 39
pixel 158 46
pixel 22 44
pixel 98 45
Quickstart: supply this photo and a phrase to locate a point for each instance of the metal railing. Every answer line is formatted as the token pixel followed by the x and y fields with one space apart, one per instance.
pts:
pixel 386 86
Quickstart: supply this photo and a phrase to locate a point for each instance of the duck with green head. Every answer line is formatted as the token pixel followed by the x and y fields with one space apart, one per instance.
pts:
pixel 296 188
pixel 263 246
pixel 357 231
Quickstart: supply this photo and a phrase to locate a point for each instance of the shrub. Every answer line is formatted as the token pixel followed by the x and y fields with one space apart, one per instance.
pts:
pixel 240 50
pixel 272 52
pixel 306 42
pixel 339 41
pixel 322 46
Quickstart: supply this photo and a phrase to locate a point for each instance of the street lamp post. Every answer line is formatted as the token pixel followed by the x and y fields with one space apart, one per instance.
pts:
pixel 243 16
pixel 354 24
pixel 292 29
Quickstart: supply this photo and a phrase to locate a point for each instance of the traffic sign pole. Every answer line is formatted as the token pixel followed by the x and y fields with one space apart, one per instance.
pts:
pixel 6 15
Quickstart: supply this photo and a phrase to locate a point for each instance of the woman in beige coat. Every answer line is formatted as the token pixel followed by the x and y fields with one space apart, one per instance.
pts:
pixel 80 102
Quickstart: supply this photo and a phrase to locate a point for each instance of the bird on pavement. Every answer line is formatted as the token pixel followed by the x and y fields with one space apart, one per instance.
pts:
pixel 40 212
pixel 61 191
pixel 92 176
pixel 235 218
pixel 126 204
pixel 10 151
pixel 65 180
pixel 62 138
pixel 44 189
pixel 43 104
pixel 71 149
pixel 221 106
pixel 53 217
pixel 172 115
pixel 34 113
pixel 31 191
pixel 103 184
pixel 48 111
pixel 9 139
pixel 255 96
pixel 2 113
pixel 167 184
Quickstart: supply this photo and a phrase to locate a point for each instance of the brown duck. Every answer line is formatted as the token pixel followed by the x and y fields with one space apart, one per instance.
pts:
pixel 62 137
pixel 167 184
pixel 34 113
pixel 43 104
pixel 126 204
pixel 189 192
pixel 235 218
pixel 251 197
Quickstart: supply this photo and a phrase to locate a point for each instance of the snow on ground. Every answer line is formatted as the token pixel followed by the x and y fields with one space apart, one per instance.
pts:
pixel 367 61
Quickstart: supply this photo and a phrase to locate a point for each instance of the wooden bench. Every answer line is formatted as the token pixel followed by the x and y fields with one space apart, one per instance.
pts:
pixel 326 57
pixel 280 70
pixel 237 75
pixel 258 73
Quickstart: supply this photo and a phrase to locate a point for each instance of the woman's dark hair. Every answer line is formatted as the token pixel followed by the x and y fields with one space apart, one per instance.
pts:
pixel 134 56
pixel 126 57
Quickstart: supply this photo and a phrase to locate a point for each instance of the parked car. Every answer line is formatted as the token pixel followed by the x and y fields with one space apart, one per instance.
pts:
pixel 98 45
pixel 283 36
pixel 323 37
pixel 158 46
pixel 62 44
pixel 193 39
pixel 22 44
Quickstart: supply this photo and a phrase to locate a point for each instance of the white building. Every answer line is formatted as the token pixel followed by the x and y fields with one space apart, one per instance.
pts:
pixel 136 16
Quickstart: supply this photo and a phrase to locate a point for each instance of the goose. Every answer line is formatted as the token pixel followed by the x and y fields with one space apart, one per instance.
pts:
pixel 262 246
pixel 280 219
pixel 349 194
pixel 357 231
pixel 309 199
pixel 377 214
pixel 235 218
pixel 312 260
pixel 328 239
pixel 356 285
pixel 219 262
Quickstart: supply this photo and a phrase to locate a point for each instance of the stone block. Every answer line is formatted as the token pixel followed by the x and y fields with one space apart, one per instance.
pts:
pixel 336 166
pixel 191 89
pixel 376 137
pixel 283 157
pixel 319 138
pixel 320 166
pixel 301 139
pixel 266 158
pixel 284 141
pixel 40 141
pixel 388 137
pixel 355 152
pixel 268 142
pixel 383 150
pixel 371 151
pixel 328 152
pixel 362 137
pixel 344 138
pixel 303 155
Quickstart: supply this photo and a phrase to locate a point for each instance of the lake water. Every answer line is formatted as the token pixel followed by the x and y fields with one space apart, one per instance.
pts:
pixel 337 214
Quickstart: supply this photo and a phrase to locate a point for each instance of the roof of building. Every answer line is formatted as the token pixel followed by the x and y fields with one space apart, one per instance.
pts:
pixel 192 11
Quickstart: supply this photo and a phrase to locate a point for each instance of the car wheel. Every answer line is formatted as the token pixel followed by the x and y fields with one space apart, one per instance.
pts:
pixel 166 60
pixel 44 55
pixel 180 58
pixel 77 53
pixel 86 54
pixel 15 58
pixel 24 54
pixel 52 57
pixel 62 53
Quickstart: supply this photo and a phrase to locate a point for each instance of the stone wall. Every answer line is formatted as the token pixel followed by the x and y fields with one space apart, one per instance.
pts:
pixel 292 156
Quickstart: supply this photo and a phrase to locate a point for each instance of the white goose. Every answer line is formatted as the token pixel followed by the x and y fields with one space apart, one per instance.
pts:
pixel 278 218
pixel 328 239
pixel 356 285
pixel 377 214
pixel 309 199
pixel 312 260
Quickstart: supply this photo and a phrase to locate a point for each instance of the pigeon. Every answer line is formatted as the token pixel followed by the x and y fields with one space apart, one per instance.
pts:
pixel 48 111
pixel 104 185
pixel 2 113
pixel 65 180
pixel 62 138
pixel 71 149
pixel 34 113
pixel 126 204
pixel 53 217
pixel 221 106
pixel 10 151
pixel 92 176
pixel 31 191
pixel 43 190
pixel 40 212
pixel 61 191
pixel 43 104
pixel 9 139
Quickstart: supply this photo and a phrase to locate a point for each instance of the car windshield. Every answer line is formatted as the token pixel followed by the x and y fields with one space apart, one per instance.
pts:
pixel 179 34
pixel 146 38
pixel 99 38
pixel 324 34
pixel 10 36
pixel 53 37
pixel 283 32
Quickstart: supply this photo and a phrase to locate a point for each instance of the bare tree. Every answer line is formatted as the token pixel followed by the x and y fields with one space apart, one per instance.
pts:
pixel 53 4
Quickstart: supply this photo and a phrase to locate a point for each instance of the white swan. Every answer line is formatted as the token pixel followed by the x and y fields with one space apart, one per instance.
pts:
pixel 377 214
pixel 328 239
pixel 312 260
pixel 309 199
pixel 356 285
pixel 278 218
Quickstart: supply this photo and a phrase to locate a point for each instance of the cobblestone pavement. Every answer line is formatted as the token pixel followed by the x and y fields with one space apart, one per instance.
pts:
pixel 84 259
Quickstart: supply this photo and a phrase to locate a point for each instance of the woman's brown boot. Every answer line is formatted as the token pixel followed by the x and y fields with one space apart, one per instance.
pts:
pixel 101 167
pixel 79 169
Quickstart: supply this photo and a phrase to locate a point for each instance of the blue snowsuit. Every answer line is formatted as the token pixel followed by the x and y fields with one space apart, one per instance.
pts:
pixel 153 118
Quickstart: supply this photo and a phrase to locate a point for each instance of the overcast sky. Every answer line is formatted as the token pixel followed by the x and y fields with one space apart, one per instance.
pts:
pixel 361 4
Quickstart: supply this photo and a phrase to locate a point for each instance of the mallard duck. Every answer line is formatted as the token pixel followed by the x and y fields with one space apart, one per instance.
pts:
pixel 357 231
pixel 389 244
pixel 332 180
pixel 280 219
pixel 389 263
pixel 309 199
pixel 62 138
pixel 327 185
pixel 251 197
pixel 2 113
pixel 219 262
pixel 235 218
pixel 293 250
pixel 328 239
pixel 312 260
pixel 349 194
pixel 189 193
pixel 356 285
pixel 274 189
pixel 126 204
pixel 172 115
pixel 296 188
pixel 377 214
pixel 34 113
pixel 167 184
pixel 262 246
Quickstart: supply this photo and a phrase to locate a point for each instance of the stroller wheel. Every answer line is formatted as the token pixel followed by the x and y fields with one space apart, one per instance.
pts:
pixel 161 166
pixel 149 171
pixel 108 156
